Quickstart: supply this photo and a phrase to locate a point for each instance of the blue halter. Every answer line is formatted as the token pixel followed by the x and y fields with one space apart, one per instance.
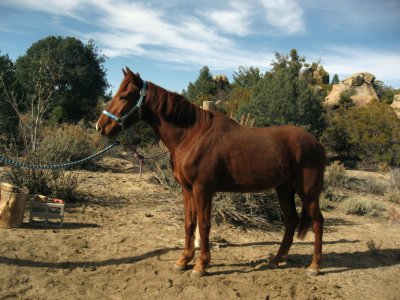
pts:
pixel 137 107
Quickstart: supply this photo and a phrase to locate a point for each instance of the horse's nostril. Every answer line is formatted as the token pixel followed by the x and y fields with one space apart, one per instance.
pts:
pixel 98 128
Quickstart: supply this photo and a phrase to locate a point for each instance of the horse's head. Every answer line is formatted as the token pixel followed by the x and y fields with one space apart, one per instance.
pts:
pixel 125 107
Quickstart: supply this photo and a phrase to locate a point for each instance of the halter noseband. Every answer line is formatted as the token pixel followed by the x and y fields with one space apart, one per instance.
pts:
pixel 137 107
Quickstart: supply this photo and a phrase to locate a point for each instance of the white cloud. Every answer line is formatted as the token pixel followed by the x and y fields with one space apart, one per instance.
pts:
pixel 344 61
pixel 286 16
pixel 235 20
pixel 126 28
pixel 65 7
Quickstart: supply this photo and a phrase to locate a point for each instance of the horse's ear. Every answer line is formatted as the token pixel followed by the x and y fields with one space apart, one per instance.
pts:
pixel 129 71
pixel 123 71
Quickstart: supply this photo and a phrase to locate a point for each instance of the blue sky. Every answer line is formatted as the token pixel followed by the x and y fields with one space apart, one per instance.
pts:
pixel 168 42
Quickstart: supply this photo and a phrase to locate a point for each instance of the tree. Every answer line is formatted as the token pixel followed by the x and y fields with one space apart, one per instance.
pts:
pixel 281 97
pixel 74 72
pixel 293 60
pixel 8 84
pixel 204 86
pixel 247 77
pixel 370 133
pixel 385 93
pixel 335 79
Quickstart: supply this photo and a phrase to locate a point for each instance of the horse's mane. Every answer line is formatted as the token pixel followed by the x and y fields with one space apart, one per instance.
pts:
pixel 176 109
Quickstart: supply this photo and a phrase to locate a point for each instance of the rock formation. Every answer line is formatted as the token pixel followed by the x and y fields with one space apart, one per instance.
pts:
pixel 396 104
pixel 360 83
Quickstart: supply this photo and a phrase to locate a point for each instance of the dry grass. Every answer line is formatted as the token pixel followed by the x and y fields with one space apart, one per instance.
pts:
pixel 392 193
pixel 254 210
pixel 160 166
pixel 57 145
pixel 373 246
pixel 394 214
pixel 367 207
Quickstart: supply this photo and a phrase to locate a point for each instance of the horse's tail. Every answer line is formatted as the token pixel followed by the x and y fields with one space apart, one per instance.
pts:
pixel 304 223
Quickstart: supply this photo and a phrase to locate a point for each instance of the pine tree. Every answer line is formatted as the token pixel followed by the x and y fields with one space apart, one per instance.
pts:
pixel 204 87
pixel 335 79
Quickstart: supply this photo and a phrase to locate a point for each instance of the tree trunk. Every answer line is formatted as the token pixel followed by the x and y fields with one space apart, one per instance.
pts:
pixel 12 206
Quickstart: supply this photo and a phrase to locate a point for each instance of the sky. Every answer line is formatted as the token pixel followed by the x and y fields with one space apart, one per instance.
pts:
pixel 168 42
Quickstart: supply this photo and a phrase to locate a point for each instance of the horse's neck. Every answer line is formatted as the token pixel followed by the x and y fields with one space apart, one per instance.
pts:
pixel 171 133
pixel 171 136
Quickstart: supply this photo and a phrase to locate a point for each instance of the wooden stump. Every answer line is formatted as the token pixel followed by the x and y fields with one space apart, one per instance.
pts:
pixel 12 206
pixel 208 105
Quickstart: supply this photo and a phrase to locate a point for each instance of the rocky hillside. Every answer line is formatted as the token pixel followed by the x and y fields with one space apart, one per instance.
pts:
pixel 363 88
pixel 396 104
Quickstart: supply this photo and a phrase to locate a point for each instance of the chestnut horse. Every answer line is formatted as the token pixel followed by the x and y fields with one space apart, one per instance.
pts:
pixel 211 153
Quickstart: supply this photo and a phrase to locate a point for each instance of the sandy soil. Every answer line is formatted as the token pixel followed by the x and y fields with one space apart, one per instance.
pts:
pixel 123 241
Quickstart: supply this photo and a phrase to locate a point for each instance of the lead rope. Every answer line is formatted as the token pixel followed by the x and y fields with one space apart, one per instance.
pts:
pixel 142 159
pixel 18 164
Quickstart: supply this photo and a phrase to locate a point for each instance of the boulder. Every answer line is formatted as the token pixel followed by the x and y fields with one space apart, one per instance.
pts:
pixel 360 83
pixel 396 104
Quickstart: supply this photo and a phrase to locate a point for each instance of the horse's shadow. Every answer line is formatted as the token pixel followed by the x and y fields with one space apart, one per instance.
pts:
pixel 333 262
pixel 84 264
pixel 65 226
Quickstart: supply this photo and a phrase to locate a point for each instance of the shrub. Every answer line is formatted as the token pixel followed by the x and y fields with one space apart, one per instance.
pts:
pixel 282 98
pixel 393 190
pixel 394 214
pixel 139 135
pixel 336 176
pixel 370 133
pixel 57 145
pixel 336 179
pixel 254 210
pixel 368 185
pixel 160 166
pixel 363 207
pixel 373 246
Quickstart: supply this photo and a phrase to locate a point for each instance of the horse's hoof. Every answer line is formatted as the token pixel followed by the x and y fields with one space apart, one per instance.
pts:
pixel 272 266
pixel 196 274
pixel 312 272
pixel 179 268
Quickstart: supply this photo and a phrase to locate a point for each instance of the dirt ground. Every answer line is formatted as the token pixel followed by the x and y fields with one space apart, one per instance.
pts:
pixel 123 241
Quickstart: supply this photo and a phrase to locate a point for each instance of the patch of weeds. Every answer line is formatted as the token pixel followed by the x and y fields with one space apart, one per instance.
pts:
pixel 363 207
pixel 394 214
pixel 254 210
pixel 336 176
pixel 393 191
pixel 373 246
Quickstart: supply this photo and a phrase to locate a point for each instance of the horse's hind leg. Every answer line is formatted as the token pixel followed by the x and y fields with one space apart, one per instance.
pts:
pixel 290 218
pixel 190 226
pixel 312 208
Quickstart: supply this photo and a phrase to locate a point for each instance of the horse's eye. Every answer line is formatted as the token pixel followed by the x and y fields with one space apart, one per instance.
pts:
pixel 123 97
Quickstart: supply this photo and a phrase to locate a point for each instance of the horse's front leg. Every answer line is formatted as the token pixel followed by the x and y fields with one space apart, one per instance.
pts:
pixel 190 226
pixel 203 200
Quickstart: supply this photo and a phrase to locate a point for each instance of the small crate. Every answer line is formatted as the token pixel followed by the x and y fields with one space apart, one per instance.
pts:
pixel 46 214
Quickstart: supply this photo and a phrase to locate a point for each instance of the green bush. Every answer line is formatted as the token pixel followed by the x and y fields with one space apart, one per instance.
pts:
pixel 370 133
pixel 282 98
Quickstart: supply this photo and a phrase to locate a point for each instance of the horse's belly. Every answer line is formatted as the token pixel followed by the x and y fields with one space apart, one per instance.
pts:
pixel 254 176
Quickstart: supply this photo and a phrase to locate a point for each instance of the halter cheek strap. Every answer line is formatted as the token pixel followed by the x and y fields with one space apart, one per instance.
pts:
pixel 137 107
